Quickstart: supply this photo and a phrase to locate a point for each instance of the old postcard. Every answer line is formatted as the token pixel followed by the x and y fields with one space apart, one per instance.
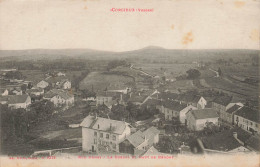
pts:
pixel 129 83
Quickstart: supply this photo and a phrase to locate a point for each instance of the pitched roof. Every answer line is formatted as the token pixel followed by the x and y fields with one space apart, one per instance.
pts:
pixel 139 137
pixel 34 90
pixel 249 113
pixel 177 106
pixel 233 109
pixel 150 133
pixel 223 100
pixel 137 98
pixel 104 124
pixel 2 90
pixel 18 99
pixel 151 102
pixel 136 139
pixel 204 113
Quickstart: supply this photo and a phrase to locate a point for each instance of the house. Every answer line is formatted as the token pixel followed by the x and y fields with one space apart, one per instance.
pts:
pixel 16 91
pixel 152 103
pixel 59 97
pixel 248 119
pixel 60 82
pixel 201 102
pixel 3 92
pixel 65 84
pixel 182 115
pixel 139 141
pixel 171 109
pixel 228 116
pixel 141 97
pixel 197 119
pixel 98 133
pixel 220 103
pixel 61 74
pixel 19 101
pixel 108 98
pixel 42 84
pixel 35 91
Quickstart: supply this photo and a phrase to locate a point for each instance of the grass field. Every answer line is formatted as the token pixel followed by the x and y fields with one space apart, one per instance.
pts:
pixel 102 81
pixel 170 70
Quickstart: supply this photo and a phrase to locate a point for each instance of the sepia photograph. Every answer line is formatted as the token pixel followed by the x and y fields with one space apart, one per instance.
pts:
pixel 129 83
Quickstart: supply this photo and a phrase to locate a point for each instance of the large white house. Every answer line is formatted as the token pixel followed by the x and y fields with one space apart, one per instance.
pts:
pixel 103 134
pixel 197 119
pixel 19 101
pixel 175 110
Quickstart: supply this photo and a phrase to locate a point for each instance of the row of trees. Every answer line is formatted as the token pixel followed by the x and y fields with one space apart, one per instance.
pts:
pixel 15 123
pixel 115 63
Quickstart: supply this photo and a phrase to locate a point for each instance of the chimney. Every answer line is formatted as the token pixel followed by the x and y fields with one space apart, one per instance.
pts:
pixel 121 97
pixel 139 94
pixel 145 138
pixel 130 94
pixel 180 102
pixel 96 116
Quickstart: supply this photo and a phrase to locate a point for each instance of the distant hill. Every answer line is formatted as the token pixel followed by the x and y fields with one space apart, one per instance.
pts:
pixel 150 52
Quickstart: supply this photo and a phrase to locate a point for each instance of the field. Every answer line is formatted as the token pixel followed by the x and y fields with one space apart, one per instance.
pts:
pixel 170 70
pixel 180 84
pixel 101 81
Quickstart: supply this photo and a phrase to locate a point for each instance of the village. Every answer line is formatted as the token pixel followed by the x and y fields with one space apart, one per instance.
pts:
pixel 52 116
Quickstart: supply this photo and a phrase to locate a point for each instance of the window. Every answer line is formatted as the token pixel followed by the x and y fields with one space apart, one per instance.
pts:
pixel 107 136
pixel 101 135
pixel 114 137
pixel 256 125
pixel 95 141
pixel 95 133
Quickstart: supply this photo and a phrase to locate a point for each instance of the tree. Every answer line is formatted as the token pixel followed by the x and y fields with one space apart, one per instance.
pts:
pixel 193 74
pixel 44 109
pixel 14 75
pixel 219 72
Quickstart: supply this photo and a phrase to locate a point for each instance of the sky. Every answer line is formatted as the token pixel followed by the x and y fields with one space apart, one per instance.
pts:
pixel 173 24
